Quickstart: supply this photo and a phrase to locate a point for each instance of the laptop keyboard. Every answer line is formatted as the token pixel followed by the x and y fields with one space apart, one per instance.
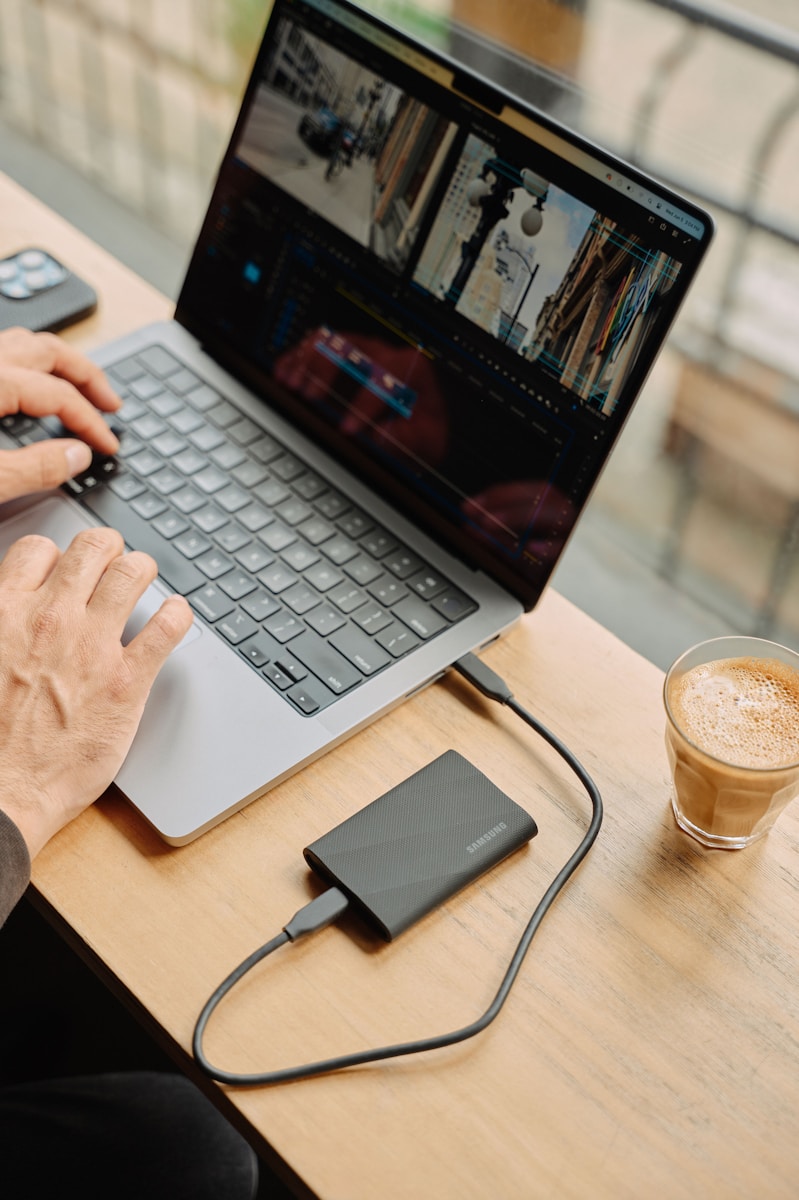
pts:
pixel 307 587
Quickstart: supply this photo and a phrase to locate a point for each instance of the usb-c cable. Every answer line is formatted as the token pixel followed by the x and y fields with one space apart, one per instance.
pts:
pixel 329 906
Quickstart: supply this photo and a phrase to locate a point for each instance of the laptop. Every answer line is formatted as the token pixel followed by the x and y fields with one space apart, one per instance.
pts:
pixel 415 320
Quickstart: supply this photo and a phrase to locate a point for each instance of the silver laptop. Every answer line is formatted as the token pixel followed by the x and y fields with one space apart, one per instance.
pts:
pixel 413 325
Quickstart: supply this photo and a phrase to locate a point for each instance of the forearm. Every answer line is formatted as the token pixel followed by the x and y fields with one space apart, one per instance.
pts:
pixel 15 865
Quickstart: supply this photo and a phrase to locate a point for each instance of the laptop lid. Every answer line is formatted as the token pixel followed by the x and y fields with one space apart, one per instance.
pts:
pixel 453 294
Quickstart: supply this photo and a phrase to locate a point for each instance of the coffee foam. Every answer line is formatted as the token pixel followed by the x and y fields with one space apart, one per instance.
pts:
pixel 742 710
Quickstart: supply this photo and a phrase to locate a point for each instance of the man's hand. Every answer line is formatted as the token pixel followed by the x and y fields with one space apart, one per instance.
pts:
pixel 41 375
pixel 71 695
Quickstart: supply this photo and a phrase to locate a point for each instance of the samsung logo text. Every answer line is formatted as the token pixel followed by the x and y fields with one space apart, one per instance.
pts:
pixel 473 847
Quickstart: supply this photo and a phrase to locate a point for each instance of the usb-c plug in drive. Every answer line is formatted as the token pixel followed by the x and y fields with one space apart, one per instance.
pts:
pixel 419 843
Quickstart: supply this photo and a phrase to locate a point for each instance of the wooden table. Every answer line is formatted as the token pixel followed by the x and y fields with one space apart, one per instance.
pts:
pixel 650 1047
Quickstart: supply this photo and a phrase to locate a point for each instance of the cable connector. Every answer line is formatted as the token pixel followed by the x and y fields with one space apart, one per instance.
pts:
pixel 483 678
pixel 318 913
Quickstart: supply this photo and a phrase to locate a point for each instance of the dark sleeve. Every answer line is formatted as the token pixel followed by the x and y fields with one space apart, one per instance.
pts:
pixel 15 865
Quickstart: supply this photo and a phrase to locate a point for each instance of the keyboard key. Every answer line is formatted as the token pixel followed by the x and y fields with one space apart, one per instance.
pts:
pixel 209 519
pixel 183 381
pixel 294 510
pixel 206 438
pixel 144 387
pixel 279 678
pixel 419 617
pixel 316 530
pixel 188 500
pixel 372 618
pixel 303 696
pixel 291 665
pixel 254 517
pixel 145 463
pixel 397 639
pixel 249 473
pixel 347 597
pixel 130 411
pixel 169 444
pixel 189 461
pixel 171 524
pixel 309 486
pixel 265 449
pixel 362 651
pixel 254 558
pixel 323 576
pixel 223 414
pixel 185 421
pixel 192 544
pixel 126 370
pixel 277 537
pixel 387 591
pixel 165 405
pixel 287 467
pixel 211 602
pixel 363 570
pixel 325 619
pixel 236 584
pixel 127 486
pixel 258 649
pixel 277 578
pixel 213 564
pixel 148 506
pixel 271 492
pixel 231 537
pixel 427 584
pixel 325 662
pixel 236 627
pixel 148 427
pixel 378 543
pixel 260 605
pixel 244 431
pixel 232 498
pixel 130 445
pixel 355 524
pixel 159 361
pixel 227 456
pixel 203 398
pixel 331 505
pixel 339 550
pixel 210 480
pixel 402 563
pixel 283 626
pixel 166 481
pixel 453 604
pixel 300 557
pixel 300 598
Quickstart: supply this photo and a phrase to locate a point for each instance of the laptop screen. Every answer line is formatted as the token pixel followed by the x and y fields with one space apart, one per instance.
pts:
pixel 457 296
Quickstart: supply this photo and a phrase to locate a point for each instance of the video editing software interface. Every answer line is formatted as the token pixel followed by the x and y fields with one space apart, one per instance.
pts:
pixel 461 299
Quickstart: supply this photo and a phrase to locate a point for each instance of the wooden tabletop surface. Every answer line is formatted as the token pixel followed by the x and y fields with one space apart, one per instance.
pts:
pixel 650 1047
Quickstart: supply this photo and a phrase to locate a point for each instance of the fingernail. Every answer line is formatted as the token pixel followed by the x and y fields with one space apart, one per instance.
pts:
pixel 79 457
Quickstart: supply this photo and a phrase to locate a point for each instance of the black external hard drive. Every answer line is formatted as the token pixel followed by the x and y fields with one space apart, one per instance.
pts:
pixel 416 845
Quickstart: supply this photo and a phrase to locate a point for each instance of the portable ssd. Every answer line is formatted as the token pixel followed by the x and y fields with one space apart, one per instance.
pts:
pixel 419 843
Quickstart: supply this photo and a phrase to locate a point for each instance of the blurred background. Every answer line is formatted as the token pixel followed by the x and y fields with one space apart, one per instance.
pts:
pixel 117 112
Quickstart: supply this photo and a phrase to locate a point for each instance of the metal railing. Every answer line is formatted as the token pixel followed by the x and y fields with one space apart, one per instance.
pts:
pixel 698 22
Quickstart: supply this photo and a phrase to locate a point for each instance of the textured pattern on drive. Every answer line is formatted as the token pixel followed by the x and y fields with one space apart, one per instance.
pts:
pixel 419 843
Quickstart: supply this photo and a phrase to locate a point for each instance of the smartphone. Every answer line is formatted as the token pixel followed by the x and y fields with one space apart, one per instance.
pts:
pixel 39 292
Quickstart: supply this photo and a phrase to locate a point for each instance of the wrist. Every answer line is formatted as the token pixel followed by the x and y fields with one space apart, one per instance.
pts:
pixel 35 822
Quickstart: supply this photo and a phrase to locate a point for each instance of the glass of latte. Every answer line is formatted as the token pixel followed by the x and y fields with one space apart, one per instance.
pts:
pixel 732 737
